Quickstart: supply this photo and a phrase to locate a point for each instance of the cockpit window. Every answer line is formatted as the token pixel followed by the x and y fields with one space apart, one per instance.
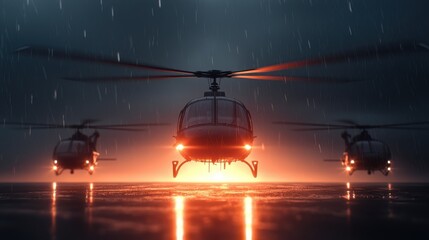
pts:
pixel 71 147
pixel 226 112
pixel 242 117
pixel 370 147
pixel 200 112
pixel 229 112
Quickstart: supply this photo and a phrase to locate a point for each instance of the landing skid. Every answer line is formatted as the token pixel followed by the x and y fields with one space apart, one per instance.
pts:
pixel 58 172
pixel 385 172
pixel 253 167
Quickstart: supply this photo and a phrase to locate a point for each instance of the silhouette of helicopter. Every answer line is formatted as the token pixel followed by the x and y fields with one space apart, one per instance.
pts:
pixel 362 152
pixel 79 151
pixel 215 128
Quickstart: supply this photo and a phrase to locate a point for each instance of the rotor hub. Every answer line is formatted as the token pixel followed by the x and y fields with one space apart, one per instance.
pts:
pixel 214 75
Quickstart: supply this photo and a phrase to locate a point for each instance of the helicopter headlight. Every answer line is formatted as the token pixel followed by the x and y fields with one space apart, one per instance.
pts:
pixel 348 169
pixel 91 168
pixel 389 169
pixel 247 147
pixel 87 162
pixel 388 162
pixel 352 161
pixel 55 162
pixel 180 147
pixel 55 168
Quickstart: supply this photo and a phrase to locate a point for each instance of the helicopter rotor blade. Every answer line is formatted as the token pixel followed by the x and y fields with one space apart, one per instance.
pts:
pixel 106 159
pixel 347 121
pixel 399 124
pixel 86 127
pixel 318 129
pixel 78 56
pixel 331 160
pixel 357 54
pixel 323 126
pixel 120 129
pixel 34 125
pixel 29 127
pixel 404 128
pixel 129 78
pixel 294 78
pixel 88 121
pixel 133 125
pixel 326 125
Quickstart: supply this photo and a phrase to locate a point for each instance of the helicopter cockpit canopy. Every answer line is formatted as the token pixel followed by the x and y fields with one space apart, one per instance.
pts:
pixel 215 111
pixel 71 147
pixel 369 148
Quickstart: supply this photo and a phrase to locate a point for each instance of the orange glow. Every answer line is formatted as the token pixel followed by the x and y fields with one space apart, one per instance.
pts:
pixel 199 172
pixel 348 185
pixel 348 169
pixel 54 209
pixel 269 78
pixel 352 161
pixel 274 68
pixel 247 147
pixel 89 194
pixel 179 217
pixel 87 161
pixel 180 147
pixel 91 168
pixel 55 168
pixel 248 217
pixel 54 192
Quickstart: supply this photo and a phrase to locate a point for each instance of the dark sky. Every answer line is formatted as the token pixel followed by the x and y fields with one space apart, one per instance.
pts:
pixel 204 35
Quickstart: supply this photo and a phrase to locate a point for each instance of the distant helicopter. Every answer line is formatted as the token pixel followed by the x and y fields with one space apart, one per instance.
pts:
pixel 214 128
pixel 362 152
pixel 79 151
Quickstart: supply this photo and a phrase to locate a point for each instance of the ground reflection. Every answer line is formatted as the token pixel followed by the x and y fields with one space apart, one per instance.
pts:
pixel 350 193
pixel 248 217
pixel 205 218
pixel 89 199
pixel 54 210
pixel 179 217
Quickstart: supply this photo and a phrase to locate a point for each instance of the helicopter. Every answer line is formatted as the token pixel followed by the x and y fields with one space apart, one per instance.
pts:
pixel 362 152
pixel 215 128
pixel 79 151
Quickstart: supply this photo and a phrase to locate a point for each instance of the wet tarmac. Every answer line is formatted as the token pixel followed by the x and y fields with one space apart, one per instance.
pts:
pixel 214 211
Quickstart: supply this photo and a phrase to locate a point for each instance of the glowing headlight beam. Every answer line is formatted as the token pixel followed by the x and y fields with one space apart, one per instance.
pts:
pixel 247 147
pixel 179 147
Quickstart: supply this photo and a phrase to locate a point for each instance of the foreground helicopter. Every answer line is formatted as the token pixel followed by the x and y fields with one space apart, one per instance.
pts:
pixel 215 128
pixel 362 152
pixel 79 151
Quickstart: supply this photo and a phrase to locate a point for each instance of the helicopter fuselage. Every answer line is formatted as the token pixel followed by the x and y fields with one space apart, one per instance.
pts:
pixel 368 155
pixel 74 154
pixel 214 129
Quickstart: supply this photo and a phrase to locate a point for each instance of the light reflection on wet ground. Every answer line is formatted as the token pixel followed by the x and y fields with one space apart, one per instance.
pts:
pixel 213 211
